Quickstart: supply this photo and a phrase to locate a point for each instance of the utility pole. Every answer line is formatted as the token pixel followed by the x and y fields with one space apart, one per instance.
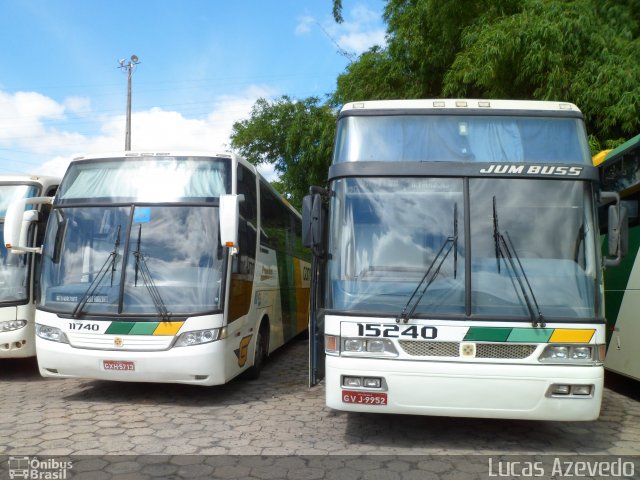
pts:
pixel 128 66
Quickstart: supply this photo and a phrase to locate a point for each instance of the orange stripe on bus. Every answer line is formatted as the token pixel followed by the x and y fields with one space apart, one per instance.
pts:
pixel 168 328
pixel 567 335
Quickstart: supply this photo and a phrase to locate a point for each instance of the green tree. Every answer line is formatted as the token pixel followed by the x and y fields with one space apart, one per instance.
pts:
pixel 582 51
pixel 423 40
pixel 294 136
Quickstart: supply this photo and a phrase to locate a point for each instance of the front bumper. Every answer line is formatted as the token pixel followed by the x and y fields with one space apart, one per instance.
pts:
pixel 469 390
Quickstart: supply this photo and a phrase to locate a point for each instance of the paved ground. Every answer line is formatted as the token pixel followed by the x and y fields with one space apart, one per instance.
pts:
pixel 274 419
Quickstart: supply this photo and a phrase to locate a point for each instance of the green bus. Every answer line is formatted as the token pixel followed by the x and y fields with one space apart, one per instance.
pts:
pixel 619 171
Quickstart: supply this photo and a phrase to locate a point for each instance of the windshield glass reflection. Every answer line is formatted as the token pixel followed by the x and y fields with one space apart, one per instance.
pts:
pixel 13 274
pixel 462 138
pixel 13 268
pixel 177 255
pixel 387 233
pixel 550 226
pixel 166 179
pixel 178 248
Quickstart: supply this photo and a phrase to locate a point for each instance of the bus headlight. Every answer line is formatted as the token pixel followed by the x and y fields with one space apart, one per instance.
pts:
pixel 354 345
pixel 369 347
pixel 199 337
pixel 51 333
pixel 571 354
pixel 12 325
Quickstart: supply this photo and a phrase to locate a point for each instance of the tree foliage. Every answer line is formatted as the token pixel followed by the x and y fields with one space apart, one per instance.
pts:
pixel 294 136
pixel 581 51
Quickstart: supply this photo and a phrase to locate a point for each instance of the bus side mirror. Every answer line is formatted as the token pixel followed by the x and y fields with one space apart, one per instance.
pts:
pixel 17 222
pixel 617 231
pixel 312 220
pixel 229 220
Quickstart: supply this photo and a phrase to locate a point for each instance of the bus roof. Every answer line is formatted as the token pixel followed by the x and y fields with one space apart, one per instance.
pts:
pixel 630 146
pixel 44 180
pixel 147 153
pixel 462 105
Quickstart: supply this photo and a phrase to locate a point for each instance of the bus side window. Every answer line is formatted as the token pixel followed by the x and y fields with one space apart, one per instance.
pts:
pixel 248 210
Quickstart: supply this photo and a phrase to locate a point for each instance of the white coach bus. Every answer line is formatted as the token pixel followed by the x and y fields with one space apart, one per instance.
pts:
pixel 18 273
pixel 167 267
pixel 457 268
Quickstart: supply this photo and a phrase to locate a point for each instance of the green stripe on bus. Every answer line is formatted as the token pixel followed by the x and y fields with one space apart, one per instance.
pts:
pixel 487 334
pixel 536 335
pixel 120 328
pixel 144 328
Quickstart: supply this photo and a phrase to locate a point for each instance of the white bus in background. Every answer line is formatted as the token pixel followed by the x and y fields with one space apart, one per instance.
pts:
pixel 167 267
pixel 18 273
pixel 457 267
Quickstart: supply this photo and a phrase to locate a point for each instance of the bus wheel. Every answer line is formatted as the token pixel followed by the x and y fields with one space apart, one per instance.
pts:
pixel 260 356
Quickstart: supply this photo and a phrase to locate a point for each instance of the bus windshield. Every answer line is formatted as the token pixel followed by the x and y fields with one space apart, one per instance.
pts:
pixel 13 274
pixel 13 268
pixel 388 231
pixel 146 179
pixel 462 138
pixel 138 260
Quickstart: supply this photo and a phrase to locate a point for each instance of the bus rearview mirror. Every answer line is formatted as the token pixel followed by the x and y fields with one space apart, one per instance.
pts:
pixel 312 220
pixel 229 220
pixel 618 231
pixel 17 222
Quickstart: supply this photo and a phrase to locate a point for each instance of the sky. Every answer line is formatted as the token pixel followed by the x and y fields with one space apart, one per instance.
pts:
pixel 203 64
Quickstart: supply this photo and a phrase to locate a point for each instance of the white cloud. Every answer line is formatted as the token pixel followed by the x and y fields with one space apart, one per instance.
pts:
pixel 78 105
pixel 268 171
pixel 362 14
pixel 34 105
pixel 23 113
pixel 304 25
pixel 362 29
pixel 157 129
pixel 360 42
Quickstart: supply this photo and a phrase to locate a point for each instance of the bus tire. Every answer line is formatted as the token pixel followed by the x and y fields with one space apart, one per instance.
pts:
pixel 261 352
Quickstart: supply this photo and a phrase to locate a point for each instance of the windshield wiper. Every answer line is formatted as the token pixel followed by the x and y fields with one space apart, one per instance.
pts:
pixel 431 273
pixel 142 269
pixel 109 264
pixel 505 250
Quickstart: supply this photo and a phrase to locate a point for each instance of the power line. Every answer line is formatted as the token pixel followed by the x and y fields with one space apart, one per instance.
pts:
pixel 351 56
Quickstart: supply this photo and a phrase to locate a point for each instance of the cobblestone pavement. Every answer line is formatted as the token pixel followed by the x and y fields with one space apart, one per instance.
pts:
pixel 275 423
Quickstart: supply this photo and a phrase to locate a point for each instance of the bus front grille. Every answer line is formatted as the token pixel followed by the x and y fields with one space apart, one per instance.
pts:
pixel 430 349
pixel 452 349
pixel 504 350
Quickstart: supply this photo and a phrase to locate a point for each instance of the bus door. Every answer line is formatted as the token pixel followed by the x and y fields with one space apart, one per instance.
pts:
pixel 314 208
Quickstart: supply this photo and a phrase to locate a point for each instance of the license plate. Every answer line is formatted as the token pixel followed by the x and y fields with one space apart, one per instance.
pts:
pixel 366 398
pixel 120 365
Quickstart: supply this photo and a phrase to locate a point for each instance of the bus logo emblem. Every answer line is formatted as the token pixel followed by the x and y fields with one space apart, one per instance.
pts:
pixel 243 350
pixel 468 350
pixel 118 342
